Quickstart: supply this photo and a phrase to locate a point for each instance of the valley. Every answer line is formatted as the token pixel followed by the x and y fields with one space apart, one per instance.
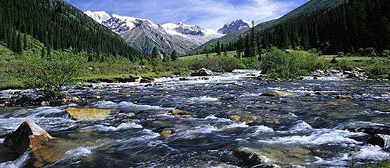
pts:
pixel 94 88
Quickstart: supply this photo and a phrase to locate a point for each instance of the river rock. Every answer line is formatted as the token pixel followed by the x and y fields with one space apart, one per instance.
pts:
pixel 146 80
pixel 277 93
pixel 28 136
pixel 202 72
pixel 250 157
pixel 180 113
pixel 166 133
pixel 372 130
pixel 89 113
pixel 380 140
pixel 247 119
pixel 343 97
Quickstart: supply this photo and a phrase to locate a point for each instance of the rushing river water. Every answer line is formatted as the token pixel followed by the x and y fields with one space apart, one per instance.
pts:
pixel 306 129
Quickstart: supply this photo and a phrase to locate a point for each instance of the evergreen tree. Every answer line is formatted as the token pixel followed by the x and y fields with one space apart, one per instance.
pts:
pixel 155 53
pixel 174 55
pixel 218 48
pixel 19 43
pixel 384 40
pixel 247 52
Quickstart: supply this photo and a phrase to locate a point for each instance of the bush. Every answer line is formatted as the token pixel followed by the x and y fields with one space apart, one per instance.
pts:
pixel 280 64
pixel 340 54
pixel 346 65
pixel 386 53
pixel 49 75
pixel 334 60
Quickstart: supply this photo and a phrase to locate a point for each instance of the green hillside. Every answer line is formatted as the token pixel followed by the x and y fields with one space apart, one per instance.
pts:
pixel 328 25
pixel 59 26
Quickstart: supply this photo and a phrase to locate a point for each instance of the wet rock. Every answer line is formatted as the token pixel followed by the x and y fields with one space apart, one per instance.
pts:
pixel 146 80
pixel 202 72
pixel 372 130
pixel 247 119
pixel 235 118
pixel 250 157
pixel 277 94
pixel 380 140
pixel 28 136
pixel 184 79
pixel 89 113
pixel 166 133
pixel 180 113
pixel 238 84
pixel 97 86
pixel 343 97
pixel 45 103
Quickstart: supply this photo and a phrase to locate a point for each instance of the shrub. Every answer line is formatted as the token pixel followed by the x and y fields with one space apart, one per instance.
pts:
pixel 346 65
pixel 334 60
pixel 361 51
pixel 280 64
pixel 48 76
pixel 340 54
pixel 370 51
pixel 386 53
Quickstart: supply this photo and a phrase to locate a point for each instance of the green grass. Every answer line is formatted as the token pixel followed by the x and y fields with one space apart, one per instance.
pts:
pixel 385 164
pixel 203 56
pixel 352 58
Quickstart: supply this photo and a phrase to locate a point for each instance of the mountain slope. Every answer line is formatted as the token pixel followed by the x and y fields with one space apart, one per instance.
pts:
pixel 144 35
pixel 328 25
pixel 60 26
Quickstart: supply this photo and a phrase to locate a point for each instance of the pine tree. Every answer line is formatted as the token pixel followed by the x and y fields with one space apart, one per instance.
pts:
pixel 10 38
pixel 384 40
pixel 247 52
pixel 155 53
pixel 19 43
pixel 174 55
pixel 218 48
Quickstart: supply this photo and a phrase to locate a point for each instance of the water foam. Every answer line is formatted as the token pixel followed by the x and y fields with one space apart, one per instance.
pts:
pixel 20 162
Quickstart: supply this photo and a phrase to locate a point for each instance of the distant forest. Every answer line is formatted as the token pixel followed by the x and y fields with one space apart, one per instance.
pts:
pixel 348 27
pixel 59 26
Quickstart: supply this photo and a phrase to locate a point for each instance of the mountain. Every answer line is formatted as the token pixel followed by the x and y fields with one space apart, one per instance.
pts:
pixel 234 26
pixel 328 25
pixel 60 26
pixel 144 35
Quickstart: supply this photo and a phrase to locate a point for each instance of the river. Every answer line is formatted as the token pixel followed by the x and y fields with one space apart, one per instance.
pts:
pixel 308 128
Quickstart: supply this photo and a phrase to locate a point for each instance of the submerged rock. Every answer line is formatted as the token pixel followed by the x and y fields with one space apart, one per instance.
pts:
pixel 180 113
pixel 343 97
pixel 247 119
pixel 89 113
pixel 28 136
pixel 202 72
pixel 277 93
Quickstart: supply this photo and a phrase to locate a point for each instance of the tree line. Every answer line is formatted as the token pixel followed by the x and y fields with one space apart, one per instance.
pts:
pixel 58 26
pixel 349 27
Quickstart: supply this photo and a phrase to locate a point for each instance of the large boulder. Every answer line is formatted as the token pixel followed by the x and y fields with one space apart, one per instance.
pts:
pixel 380 140
pixel 277 93
pixel 202 72
pixel 28 136
pixel 89 113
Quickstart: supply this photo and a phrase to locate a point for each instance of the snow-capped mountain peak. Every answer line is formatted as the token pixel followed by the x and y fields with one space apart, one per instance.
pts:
pixel 234 26
pixel 98 16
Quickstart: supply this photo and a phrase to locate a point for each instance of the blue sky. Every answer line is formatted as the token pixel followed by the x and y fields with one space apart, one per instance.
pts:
pixel 211 14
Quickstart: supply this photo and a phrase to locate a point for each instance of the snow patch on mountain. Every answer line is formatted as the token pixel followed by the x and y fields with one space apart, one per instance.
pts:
pixel 98 16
